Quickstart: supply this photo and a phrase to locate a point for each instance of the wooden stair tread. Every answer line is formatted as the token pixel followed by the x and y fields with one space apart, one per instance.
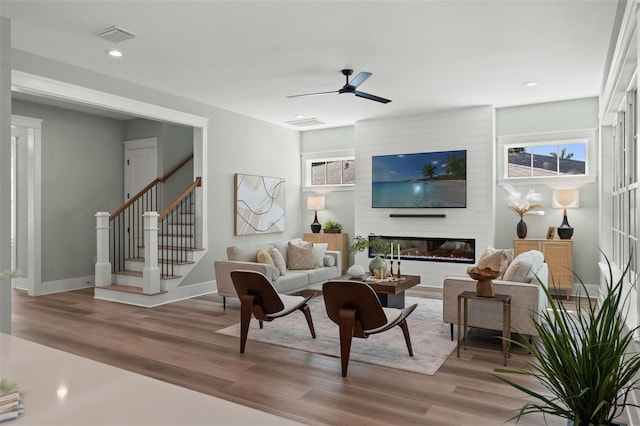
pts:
pixel 167 261
pixel 129 289
pixel 180 248
pixel 174 247
pixel 139 274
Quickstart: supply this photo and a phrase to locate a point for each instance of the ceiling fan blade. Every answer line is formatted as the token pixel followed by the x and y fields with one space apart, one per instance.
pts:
pixel 372 97
pixel 360 78
pixel 312 94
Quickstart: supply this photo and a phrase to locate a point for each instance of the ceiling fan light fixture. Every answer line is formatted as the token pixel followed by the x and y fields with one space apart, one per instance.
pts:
pixel 350 88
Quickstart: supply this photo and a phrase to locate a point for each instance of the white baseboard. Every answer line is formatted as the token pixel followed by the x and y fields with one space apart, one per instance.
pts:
pixel 51 287
pixel 180 293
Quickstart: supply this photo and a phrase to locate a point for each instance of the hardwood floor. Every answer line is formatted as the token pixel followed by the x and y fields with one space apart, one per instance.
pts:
pixel 177 343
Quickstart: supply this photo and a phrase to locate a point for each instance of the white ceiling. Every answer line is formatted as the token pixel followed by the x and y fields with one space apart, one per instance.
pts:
pixel 247 56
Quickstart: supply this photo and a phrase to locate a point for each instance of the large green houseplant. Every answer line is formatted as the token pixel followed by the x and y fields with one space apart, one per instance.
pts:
pixel 584 359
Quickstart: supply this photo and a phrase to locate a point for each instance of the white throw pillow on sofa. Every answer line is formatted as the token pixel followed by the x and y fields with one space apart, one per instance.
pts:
pixel 524 266
pixel 318 253
pixel 278 260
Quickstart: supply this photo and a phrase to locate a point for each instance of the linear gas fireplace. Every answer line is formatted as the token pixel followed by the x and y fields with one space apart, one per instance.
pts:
pixel 456 250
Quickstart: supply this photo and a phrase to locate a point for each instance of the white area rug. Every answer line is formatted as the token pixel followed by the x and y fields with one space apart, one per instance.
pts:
pixel 430 337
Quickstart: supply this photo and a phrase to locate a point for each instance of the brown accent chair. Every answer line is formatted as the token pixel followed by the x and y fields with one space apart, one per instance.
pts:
pixel 258 297
pixel 355 307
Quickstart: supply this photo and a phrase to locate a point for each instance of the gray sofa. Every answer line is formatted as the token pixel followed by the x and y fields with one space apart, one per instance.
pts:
pixel 244 256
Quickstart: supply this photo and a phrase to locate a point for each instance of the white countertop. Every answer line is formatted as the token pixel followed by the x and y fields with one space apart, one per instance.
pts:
pixel 59 388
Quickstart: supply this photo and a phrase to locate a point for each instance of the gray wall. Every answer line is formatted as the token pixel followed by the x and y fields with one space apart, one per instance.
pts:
pixel 340 204
pixel 82 174
pixel 175 143
pixel 552 117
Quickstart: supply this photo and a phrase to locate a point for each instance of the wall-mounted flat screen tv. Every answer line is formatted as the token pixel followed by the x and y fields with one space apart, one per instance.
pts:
pixel 420 180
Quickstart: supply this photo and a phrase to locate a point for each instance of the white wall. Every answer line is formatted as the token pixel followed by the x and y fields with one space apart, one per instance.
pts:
pixel 543 118
pixel 471 129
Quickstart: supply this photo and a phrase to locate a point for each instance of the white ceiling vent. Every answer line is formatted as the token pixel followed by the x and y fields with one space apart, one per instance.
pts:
pixel 306 122
pixel 115 34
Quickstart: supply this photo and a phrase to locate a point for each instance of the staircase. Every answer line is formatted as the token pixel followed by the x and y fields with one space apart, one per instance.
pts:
pixel 143 255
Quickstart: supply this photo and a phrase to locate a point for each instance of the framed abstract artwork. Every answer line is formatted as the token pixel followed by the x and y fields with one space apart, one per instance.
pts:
pixel 259 204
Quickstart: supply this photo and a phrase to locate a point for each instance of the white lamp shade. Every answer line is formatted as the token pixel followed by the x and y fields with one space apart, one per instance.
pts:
pixel 315 203
pixel 565 198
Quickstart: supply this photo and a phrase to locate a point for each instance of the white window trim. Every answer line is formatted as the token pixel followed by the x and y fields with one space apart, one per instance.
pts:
pixel 548 138
pixel 309 157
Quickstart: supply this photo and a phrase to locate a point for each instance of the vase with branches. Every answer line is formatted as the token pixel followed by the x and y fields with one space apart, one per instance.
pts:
pixel 529 204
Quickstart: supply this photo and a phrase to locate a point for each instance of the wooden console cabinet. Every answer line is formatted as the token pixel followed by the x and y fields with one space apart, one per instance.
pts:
pixel 558 254
pixel 336 242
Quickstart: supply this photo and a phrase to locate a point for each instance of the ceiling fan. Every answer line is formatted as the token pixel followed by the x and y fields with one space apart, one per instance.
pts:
pixel 349 89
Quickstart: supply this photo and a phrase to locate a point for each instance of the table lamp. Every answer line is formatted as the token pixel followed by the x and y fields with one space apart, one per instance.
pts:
pixel 565 198
pixel 315 203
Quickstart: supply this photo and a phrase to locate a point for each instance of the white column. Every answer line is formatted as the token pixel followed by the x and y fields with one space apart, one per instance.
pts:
pixel 103 266
pixel 151 271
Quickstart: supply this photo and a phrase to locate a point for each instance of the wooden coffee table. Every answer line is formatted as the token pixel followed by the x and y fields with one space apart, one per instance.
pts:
pixel 391 293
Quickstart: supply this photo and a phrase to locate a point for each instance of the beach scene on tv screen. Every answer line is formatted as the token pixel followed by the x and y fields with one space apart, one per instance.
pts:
pixel 420 180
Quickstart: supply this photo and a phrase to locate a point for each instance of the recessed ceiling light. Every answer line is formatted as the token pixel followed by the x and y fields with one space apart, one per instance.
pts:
pixel 113 52
pixel 299 116
pixel 531 83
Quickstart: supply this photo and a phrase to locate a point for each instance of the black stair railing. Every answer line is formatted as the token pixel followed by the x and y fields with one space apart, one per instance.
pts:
pixel 178 232
pixel 126 230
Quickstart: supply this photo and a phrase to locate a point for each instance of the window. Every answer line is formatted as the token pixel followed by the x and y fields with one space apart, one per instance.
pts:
pixel 547 160
pixel 548 157
pixel 624 176
pixel 338 172
pixel 329 169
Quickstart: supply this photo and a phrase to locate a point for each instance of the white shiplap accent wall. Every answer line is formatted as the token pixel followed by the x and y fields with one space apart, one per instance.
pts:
pixel 469 128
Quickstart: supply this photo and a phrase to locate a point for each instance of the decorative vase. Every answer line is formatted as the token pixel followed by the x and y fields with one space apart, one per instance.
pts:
pixel 484 286
pixel 565 231
pixel 377 263
pixel 521 229
pixel 355 271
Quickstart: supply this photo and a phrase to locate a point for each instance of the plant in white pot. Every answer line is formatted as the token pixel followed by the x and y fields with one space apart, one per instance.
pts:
pixel 585 359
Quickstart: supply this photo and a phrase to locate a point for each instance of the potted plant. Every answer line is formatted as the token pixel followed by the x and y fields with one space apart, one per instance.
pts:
pixel 583 359
pixel 379 247
pixel 332 227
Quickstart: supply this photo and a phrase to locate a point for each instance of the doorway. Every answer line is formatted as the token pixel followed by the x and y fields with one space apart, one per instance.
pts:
pixel 26 141
pixel 140 165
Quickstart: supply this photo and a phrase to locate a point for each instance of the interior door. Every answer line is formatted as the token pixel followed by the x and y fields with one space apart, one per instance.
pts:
pixel 140 165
